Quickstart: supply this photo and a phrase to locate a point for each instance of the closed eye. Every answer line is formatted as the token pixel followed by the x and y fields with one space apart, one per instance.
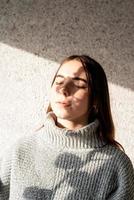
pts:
pixel 82 87
pixel 76 82
pixel 59 80
pixel 58 83
pixel 79 84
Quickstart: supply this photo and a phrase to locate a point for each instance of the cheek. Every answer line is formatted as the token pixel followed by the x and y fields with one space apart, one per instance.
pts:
pixel 81 95
pixel 81 98
pixel 52 95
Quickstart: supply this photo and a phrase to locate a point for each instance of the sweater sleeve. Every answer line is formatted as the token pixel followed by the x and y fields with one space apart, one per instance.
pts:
pixel 5 168
pixel 125 189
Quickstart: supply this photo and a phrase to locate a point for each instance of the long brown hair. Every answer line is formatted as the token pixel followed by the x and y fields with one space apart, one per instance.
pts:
pixel 100 101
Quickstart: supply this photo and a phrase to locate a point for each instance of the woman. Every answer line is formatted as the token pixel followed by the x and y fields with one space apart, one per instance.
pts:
pixel 74 155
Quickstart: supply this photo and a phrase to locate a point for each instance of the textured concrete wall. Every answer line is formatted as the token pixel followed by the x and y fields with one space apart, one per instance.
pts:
pixel 36 35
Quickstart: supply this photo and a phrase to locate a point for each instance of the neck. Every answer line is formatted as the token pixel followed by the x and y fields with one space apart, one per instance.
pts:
pixel 69 124
pixel 85 137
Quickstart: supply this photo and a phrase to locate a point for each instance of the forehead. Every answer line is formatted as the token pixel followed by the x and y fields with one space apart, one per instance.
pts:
pixel 72 68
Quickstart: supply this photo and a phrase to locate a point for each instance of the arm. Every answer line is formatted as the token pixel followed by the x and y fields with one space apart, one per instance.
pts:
pixel 5 168
pixel 125 189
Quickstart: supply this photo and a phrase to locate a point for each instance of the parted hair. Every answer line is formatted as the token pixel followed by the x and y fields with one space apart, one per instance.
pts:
pixel 99 100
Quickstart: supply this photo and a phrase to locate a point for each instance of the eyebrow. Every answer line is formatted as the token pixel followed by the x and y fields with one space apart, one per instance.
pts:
pixel 74 78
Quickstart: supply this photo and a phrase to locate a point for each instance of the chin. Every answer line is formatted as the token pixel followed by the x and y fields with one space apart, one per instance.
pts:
pixel 62 114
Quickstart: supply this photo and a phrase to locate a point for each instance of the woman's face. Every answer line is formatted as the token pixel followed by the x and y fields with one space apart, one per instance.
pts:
pixel 70 93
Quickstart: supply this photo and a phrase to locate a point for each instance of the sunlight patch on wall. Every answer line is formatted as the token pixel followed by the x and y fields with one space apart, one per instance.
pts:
pixel 122 109
pixel 25 83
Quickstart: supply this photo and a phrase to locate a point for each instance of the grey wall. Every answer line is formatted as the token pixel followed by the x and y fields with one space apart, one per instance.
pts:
pixel 36 35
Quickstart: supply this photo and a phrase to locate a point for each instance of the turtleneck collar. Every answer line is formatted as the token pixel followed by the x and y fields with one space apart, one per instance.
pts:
pixel 85 137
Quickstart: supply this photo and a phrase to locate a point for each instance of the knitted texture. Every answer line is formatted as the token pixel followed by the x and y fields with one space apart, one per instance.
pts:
pixel 59 164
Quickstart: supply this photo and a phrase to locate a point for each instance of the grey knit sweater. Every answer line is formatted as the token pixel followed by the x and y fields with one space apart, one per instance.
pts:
pixel 59 164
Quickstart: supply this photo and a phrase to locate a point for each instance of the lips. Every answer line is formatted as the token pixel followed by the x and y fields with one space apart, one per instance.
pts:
pixel 64 103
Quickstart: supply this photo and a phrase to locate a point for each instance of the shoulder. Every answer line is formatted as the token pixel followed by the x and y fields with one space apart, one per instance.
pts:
pixel 117 157
pixel 29 143
pixel 23 145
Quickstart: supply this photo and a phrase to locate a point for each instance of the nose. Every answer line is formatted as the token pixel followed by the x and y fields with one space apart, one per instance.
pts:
pixel 64 88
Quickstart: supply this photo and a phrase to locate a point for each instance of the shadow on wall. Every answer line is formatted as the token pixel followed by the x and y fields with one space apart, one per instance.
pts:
pixel 55 29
